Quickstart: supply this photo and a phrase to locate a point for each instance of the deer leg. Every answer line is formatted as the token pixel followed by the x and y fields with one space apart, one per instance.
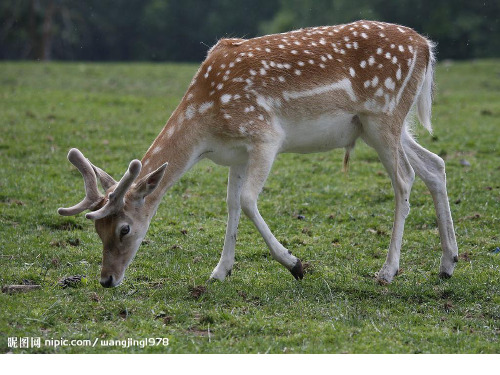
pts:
pixel 431 169
pixel 259 166
pixel 393 157
pixel 235 183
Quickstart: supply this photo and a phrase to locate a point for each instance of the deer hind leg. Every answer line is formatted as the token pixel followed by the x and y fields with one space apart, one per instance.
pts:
pixel 259 166
pixel 387 143
pixel 431 169
pixel 235 183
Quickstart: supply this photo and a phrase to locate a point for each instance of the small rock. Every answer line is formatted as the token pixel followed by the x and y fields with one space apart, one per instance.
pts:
pixel 465 163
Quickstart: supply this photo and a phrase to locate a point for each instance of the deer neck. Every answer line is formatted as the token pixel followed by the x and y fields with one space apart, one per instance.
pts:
pixel 178 144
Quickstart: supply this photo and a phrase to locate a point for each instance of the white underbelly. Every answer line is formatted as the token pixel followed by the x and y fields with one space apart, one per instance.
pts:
pixel 226 153
pixel 320 134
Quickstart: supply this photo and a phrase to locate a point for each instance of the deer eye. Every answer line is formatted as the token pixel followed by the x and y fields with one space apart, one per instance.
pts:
pixel 124 230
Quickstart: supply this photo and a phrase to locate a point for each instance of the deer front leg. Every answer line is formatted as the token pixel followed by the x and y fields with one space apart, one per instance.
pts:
pixel 235 183
pixel 259 166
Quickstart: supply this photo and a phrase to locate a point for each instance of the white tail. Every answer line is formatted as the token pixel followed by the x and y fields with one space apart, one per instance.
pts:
pixel 424 101
pixel 308 90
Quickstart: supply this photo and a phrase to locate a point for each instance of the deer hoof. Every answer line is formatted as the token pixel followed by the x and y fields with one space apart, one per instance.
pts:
pixel 297 270
pixel 444 275
pixel 385 276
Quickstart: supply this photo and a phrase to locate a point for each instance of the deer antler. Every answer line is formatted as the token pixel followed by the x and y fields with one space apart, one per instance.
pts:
pixel 92 195
pixel 116 198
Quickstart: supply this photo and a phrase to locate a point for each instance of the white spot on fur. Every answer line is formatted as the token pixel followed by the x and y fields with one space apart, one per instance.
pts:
pixel 352 72
pixel 226 98
pixel 205 107
pixel 398 74
pixel 379 92
pixel 190 111
pixel 389 83
pixel 375 81
pixel 364 36
pixel 379 51
pixel 362 64
pixel 298 72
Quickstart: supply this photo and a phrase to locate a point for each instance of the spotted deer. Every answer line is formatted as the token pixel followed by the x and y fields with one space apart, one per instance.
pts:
pixel 309 90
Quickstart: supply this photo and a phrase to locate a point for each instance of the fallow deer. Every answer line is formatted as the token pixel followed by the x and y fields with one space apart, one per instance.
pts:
pixel 309 90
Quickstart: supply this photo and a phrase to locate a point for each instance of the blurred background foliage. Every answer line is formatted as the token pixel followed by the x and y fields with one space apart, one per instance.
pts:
pixel 183 30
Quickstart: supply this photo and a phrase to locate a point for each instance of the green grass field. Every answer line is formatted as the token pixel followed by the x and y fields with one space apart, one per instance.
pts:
pixel 112 112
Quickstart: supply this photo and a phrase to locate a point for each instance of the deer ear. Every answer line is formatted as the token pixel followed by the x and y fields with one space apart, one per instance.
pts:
pixel 148 183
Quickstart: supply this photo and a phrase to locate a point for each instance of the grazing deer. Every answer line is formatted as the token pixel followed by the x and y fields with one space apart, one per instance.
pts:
pixel 309 90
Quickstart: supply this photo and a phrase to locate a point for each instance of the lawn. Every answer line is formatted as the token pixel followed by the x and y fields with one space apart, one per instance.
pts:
pixel 337 223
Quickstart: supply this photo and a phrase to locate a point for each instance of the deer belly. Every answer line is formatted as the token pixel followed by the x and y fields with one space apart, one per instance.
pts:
pixel 227 153
pixel 320 134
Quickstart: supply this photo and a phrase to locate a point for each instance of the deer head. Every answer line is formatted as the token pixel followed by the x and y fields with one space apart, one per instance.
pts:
pixel 120 217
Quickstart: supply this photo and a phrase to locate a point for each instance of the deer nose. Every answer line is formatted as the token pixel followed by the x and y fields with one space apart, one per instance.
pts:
pixel 107 282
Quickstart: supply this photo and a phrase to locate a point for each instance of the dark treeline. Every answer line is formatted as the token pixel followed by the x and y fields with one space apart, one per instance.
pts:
pixel 182 30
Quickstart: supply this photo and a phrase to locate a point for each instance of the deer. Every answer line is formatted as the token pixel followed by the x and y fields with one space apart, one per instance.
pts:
pixel 310 90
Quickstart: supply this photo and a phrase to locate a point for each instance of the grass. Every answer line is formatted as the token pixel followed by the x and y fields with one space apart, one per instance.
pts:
pixel 112 112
